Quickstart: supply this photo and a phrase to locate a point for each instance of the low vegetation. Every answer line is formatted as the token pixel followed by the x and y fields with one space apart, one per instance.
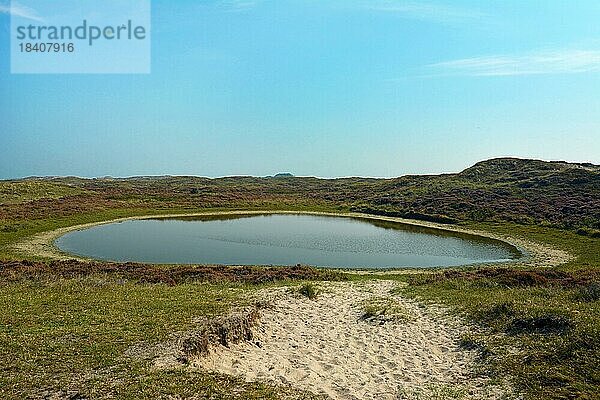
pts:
pixel 171 275
pixel 557 194
pixel 24 191
pixel 308 290
pixel 67 327
pixel 383 309
pixel 539 326
pixel 69 332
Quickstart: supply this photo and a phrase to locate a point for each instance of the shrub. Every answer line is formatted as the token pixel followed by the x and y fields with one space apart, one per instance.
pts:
pixel 589 293
pixel 546 324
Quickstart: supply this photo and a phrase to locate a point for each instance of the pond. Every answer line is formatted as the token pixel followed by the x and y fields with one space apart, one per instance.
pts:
pixel 282 239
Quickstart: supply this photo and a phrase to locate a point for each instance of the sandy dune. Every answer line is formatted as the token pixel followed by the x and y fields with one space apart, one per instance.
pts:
pixel 324 346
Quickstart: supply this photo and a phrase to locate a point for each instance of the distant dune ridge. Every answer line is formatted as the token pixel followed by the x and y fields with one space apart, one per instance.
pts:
pixel 556 193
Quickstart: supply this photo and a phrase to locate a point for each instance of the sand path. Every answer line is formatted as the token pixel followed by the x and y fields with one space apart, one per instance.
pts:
pixel 326 347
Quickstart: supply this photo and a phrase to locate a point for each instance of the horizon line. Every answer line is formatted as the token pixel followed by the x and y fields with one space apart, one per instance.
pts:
pixel 155 176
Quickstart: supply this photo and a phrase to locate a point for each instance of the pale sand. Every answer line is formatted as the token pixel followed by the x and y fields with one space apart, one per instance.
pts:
pixel 324 346
pixel 538 255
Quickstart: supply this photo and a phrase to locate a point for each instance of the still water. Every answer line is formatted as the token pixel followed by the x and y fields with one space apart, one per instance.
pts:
pixel 282 239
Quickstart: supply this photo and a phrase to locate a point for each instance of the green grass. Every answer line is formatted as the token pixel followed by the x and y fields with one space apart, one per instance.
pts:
pixel 546 337
pixel 72 335
pixel 17 192
pixel 309 290
pixel 435 392
pixel 383 309
pixel 60 329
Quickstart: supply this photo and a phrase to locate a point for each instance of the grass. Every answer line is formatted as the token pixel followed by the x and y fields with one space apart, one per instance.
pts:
pixel 383 309
pixel 19 192
pixel 589 293
pixel 435 392
pixel 543 333
pixel 58 330
pixel 70 332
pixel 71 335
pixel 308 290
pixel 171 275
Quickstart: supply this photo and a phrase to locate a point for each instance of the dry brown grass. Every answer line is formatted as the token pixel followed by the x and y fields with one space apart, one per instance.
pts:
pixel 168 274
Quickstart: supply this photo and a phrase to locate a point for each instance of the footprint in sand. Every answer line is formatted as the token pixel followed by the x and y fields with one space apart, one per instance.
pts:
pixel 322 346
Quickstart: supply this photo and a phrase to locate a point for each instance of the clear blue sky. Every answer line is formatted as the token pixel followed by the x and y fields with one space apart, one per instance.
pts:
pixel 323 88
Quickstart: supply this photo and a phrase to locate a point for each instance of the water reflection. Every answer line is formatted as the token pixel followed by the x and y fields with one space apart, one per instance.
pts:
pixel 283 239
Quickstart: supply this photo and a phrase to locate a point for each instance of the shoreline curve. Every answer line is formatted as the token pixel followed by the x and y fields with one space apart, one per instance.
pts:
pixel 532 253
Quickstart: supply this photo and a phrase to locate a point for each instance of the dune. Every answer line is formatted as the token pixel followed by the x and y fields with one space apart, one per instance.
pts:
pixel 329 346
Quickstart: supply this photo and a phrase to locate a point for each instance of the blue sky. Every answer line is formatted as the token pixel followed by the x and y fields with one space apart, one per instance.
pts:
pixel 322 88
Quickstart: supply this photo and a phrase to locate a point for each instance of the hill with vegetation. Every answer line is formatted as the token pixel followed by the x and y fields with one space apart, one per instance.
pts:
pixel 558 194
pixel 71 324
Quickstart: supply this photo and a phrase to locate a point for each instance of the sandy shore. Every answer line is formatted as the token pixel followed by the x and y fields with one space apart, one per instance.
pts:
pixel 538 255
pixel 326 346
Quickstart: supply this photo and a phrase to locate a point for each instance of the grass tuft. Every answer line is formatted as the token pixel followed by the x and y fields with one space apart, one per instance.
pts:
pixel 309 290
pixel 383 309
pixel 589 293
